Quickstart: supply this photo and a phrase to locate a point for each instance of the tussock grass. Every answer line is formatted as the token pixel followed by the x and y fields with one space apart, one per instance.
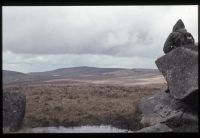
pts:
pixel 84 104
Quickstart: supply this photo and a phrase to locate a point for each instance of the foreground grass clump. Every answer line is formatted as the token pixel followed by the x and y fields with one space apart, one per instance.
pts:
pixel 84 104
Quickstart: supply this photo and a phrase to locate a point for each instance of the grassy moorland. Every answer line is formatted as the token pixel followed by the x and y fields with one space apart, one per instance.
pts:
pixel 84 104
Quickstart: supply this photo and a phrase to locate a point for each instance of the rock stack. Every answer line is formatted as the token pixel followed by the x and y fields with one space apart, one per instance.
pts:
pixel 178 109
pixel 14 104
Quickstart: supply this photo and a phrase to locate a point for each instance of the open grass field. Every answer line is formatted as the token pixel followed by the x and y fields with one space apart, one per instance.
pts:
pixel 75 104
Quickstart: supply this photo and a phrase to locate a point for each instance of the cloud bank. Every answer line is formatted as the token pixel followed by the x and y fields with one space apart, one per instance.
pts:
pixel 105 34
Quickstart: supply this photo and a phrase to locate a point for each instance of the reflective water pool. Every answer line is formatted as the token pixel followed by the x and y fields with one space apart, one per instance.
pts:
pixel 80 129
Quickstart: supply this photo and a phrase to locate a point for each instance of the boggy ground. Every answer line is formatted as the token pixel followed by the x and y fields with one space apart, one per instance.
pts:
pixel 84 104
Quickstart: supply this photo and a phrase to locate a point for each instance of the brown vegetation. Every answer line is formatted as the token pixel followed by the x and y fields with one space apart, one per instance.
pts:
pixel 83 104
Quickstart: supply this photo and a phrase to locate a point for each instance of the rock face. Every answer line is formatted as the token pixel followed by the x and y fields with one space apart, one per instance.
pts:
pixel 163 108
pixel 14 104
pixel 179 108
pixel 180 68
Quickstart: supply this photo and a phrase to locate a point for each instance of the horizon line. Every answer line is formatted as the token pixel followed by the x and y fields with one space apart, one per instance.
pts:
pixel 75 67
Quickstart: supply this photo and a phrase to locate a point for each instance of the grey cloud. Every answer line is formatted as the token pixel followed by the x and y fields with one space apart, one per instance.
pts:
pixel 115 31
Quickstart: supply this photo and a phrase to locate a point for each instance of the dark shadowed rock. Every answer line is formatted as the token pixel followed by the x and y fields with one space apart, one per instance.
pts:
pixel 162 107
pixel 14 104
pixel 155 128
pixel 180 69
pixel 186 122
pixel 159 108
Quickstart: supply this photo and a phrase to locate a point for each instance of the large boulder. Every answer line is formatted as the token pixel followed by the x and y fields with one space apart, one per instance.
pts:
pixel 180 69
pixel 179 108
pixel 14 104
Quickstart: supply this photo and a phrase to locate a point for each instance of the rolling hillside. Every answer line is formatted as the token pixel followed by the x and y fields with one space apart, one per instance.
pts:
pixel 87 74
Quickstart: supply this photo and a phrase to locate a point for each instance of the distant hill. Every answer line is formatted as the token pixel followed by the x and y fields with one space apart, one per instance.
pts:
pixel 9 73
pixel 11 76
pixel 77 73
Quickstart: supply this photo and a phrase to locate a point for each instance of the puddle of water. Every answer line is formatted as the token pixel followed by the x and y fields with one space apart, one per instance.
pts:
pixel 80 129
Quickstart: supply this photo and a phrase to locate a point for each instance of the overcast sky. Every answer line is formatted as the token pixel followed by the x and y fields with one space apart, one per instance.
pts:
pixel 41 38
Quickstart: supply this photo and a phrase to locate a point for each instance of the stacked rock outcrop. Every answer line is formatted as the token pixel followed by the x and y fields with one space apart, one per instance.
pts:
pixel 178 109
